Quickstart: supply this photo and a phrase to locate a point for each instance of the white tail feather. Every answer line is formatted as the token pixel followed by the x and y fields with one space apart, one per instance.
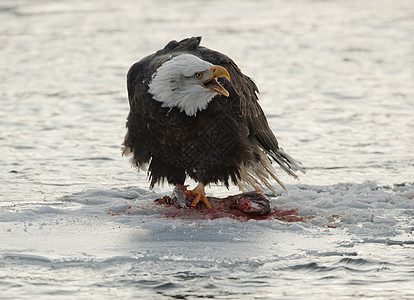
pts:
pixel 258 175
pixel 293 164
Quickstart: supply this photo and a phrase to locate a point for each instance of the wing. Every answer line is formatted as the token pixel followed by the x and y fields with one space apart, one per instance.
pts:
pixel 137 130
pixel 244 91
pixel 152 129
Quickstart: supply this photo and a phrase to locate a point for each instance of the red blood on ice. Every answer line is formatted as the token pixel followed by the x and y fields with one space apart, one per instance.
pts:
pixel 243 206
pixel 124 211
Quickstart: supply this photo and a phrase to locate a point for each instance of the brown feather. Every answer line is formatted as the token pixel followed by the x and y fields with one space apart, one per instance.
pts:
pixel 217 145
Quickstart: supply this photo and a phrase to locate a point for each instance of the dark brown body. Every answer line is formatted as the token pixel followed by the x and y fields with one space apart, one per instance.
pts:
pixel 209 147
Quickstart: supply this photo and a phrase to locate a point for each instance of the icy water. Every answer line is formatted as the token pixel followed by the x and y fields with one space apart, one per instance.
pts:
pixel 77 222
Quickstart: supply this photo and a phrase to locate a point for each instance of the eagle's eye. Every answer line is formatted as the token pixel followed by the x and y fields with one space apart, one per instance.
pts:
pixel 199 75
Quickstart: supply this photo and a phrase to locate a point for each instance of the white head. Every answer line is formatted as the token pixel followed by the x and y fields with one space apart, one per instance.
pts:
pixel 188 83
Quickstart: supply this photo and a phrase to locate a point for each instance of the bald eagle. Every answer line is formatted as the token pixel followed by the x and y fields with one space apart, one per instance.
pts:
pixel 194 113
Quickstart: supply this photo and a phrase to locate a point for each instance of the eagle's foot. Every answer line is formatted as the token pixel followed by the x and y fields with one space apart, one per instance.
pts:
pixel 199 195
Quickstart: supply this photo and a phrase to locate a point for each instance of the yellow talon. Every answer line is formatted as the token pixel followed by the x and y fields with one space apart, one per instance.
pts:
pixel 195 201
pixel 199 194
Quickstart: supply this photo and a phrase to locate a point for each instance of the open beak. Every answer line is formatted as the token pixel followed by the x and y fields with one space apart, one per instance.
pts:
pixel 212 83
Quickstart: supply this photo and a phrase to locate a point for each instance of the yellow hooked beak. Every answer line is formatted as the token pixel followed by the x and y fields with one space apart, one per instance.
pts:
pixel 212 83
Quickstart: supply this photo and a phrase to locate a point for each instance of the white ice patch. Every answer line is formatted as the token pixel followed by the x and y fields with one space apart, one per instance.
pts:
pixel 120 230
